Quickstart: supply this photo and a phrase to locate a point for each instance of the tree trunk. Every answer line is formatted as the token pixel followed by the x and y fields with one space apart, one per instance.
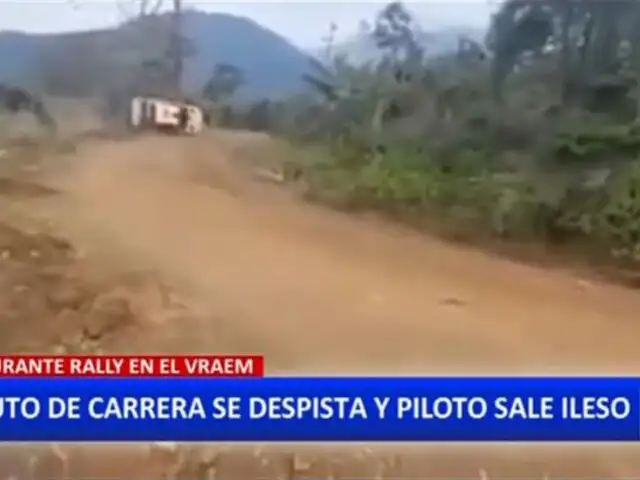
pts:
pixel 635 59
pixel 177 49
pixel 566 60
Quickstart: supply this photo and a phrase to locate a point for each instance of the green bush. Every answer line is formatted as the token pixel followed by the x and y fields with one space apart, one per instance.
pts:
pixel 411 181
pixel 617 223
pixel 604 144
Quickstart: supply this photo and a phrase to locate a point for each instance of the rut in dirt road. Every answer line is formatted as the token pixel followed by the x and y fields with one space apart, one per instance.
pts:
pixel 314 289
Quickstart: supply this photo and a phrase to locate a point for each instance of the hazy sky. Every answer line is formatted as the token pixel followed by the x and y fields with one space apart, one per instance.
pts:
pixel 303 22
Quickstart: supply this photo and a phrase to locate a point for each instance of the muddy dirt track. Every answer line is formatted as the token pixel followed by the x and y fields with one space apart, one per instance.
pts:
pixel 244 266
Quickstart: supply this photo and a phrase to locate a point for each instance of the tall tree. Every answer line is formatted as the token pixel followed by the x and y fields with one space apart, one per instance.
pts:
pixel 586 36
pixel 177 45
pixel 395 33
pixel 518 28
pixel 635 55
pixel 329 42
pixel 161 31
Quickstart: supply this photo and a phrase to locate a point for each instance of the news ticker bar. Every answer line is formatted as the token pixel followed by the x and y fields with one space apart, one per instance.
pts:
pixel 320 409
pixel 131 366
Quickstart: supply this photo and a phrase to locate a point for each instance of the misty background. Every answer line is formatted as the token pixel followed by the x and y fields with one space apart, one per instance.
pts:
pixel 301 22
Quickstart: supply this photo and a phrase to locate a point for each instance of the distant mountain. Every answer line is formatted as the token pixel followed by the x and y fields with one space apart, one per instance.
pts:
pixel 18 55
pixel 361 48
pixel 272 66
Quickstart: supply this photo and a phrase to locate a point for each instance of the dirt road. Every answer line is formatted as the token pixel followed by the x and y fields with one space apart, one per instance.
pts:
pixel 313 289
pixel 319 291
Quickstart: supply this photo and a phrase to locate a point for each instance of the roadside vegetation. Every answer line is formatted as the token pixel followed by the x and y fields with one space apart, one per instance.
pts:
pixel 532 136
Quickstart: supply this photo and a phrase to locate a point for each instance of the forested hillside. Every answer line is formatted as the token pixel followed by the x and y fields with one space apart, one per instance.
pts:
pixel 90 62
pixel 531 135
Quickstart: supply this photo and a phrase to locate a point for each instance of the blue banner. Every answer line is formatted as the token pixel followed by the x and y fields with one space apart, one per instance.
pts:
pixel 320 409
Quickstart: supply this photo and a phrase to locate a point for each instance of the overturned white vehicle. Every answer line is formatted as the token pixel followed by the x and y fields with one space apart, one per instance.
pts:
pixel 167 116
